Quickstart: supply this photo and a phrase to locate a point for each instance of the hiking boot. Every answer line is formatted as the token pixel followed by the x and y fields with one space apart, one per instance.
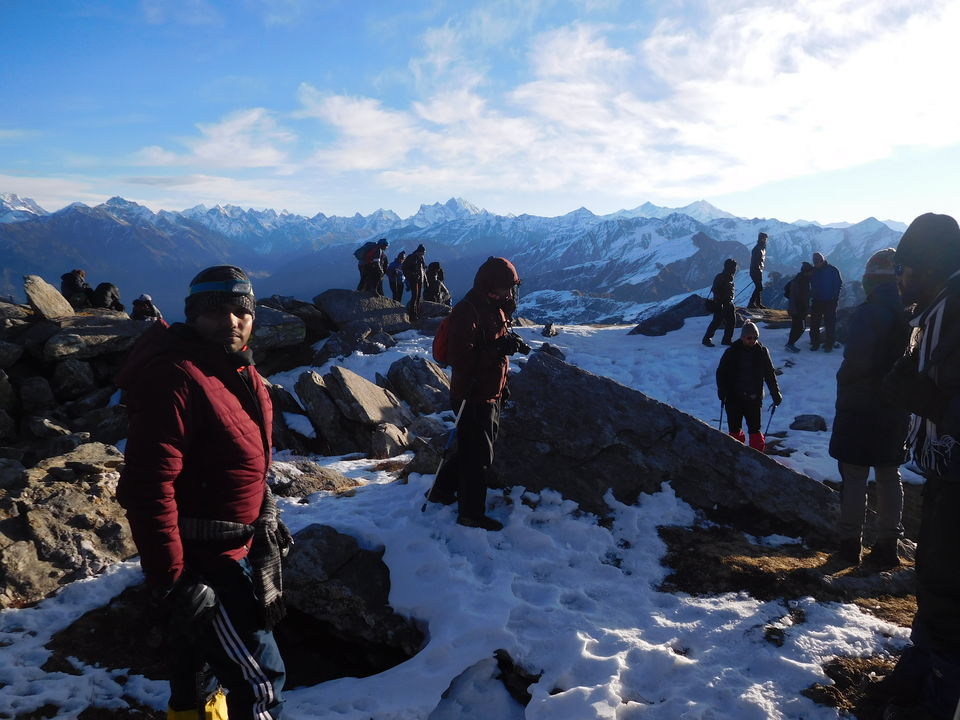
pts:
pixel 483 522
pixel 791 347
pixel 850 551
pixel 708 342
pixel 738 436
pixel 439 498
pixel 758 442
pixel 814 346
pixel 725 341
pixel 828 348
pixel 885 553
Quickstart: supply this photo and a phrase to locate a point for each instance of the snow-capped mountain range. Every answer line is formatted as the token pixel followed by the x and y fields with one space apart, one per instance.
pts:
pixel 578 267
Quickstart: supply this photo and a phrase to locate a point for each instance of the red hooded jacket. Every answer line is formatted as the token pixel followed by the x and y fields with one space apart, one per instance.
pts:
pixel 198 446
pixel 479 371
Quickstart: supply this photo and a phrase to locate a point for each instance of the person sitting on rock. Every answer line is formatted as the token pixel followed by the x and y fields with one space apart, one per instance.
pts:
pixel 107 297
pixel 742 371
pixel 868 431
pixel 74 287
pixel 724 313
pixel 144 309
pixel 435 290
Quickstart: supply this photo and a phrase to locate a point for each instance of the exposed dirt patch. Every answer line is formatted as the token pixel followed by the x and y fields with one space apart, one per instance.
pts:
pixel 713 560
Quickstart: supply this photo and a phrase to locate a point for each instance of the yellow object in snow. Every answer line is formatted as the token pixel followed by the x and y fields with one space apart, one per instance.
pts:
pixel 215 709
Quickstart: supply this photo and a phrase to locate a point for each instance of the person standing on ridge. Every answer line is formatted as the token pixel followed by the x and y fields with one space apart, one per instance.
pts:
pixel 415 273
pixel 926 382
pixel 724 313
pixel 195 493
pixel 371 262
pixel 797 293
pixel 868 431
pixel 742 371
pixel 479 345
pixel 757 258
pixel 395 276
pixel 825 286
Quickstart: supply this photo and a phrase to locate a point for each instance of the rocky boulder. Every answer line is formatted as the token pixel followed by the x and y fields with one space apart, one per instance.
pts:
pixel 809 423
pixel 584 435
pixel 45 299
pixel 330 578
pixel 274 328
pixel 672 318
pixel 421 383
pixel 363 402
pixel 60 523
pixel 91 335
pixel 302 477
pixel 340 436
pixel 355 312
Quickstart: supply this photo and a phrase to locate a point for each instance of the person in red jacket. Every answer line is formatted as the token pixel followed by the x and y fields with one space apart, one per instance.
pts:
pixel 478 347
pixel 195 493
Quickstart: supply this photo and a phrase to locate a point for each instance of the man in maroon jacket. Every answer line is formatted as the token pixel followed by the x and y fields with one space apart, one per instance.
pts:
pixel 194 488
pixel 478 346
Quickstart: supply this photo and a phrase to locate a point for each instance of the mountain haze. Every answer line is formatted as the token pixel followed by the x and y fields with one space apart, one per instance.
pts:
pixel 578 267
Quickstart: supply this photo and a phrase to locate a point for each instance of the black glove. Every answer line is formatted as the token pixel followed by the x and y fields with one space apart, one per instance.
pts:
pixel 777 398
pixel 190 601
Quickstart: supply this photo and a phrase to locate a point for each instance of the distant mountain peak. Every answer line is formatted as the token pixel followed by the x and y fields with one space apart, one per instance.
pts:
pixel 14 208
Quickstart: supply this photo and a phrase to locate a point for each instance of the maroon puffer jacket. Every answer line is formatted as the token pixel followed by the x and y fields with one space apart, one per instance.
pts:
pixel 476 322
pixel 198 446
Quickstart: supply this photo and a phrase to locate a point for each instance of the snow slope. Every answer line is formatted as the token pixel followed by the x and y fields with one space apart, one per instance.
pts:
pixel 564 596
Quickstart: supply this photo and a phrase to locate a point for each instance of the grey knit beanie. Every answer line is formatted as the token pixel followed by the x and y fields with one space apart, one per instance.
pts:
pixel 217 285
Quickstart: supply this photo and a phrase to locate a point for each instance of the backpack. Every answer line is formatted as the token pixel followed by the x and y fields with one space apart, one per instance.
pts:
pixel 361 252
pixel 440 348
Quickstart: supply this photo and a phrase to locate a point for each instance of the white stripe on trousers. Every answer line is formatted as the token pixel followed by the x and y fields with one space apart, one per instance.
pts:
pixel 252 672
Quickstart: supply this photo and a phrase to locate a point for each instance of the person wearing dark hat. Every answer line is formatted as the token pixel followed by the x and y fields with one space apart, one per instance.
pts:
pixel 868 431
pixel 797 293
pixel 414 271
pixel 724 313
pixel 757 258
pixel 195 493
pixel 479 345
pixel 926 382
pixel 74 287
pixel 372 264
pixel 742 371
pixel 825 286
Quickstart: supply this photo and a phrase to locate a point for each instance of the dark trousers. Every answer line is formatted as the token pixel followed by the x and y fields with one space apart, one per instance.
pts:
pixel 234 649
pixel 396 287
pixel 825 312
pixel 465 472
pixel 796 329
pixel 371 278
pixel 416 297
pixel 726 316
pixel 740 409
pixel 757 277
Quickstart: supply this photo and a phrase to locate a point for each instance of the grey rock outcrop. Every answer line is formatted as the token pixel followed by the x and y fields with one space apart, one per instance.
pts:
pixel 9 353
pixel 274 329
pixel 614 438
pixel 340 436
pixel 809 423
pixel 87 336
pixel 302 477
pixel 73 378
pixel 421 383
pixel 60 523
pixel 45 298
pixel 673 317
pixel 388 441
pixel 329 577
pixel 354 312
pixel 363 402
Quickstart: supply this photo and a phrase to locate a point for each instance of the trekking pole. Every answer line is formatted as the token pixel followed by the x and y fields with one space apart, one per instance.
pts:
pixel 446 450
pixel 773 409
pixel 720 424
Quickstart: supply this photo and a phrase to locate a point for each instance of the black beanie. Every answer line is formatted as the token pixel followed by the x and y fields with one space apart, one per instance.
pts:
pixel 932 242
pixel 217 285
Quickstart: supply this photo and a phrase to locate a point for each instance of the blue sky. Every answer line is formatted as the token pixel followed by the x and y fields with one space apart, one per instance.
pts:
pixel 823 110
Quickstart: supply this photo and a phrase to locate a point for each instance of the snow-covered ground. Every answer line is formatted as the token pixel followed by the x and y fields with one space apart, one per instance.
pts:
pixel 564 596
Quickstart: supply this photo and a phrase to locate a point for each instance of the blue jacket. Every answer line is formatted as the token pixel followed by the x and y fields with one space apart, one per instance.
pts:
pixel 825 283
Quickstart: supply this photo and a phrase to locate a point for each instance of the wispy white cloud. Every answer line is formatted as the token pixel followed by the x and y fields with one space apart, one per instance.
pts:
pixel 12 134
pixel 244 139
pixel 185 12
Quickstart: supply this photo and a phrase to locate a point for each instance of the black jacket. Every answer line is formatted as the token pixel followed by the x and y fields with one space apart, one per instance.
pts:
pixel 798 293
pixel 757 257
pixel 868 430
pixel 723 288
pixel 742 372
